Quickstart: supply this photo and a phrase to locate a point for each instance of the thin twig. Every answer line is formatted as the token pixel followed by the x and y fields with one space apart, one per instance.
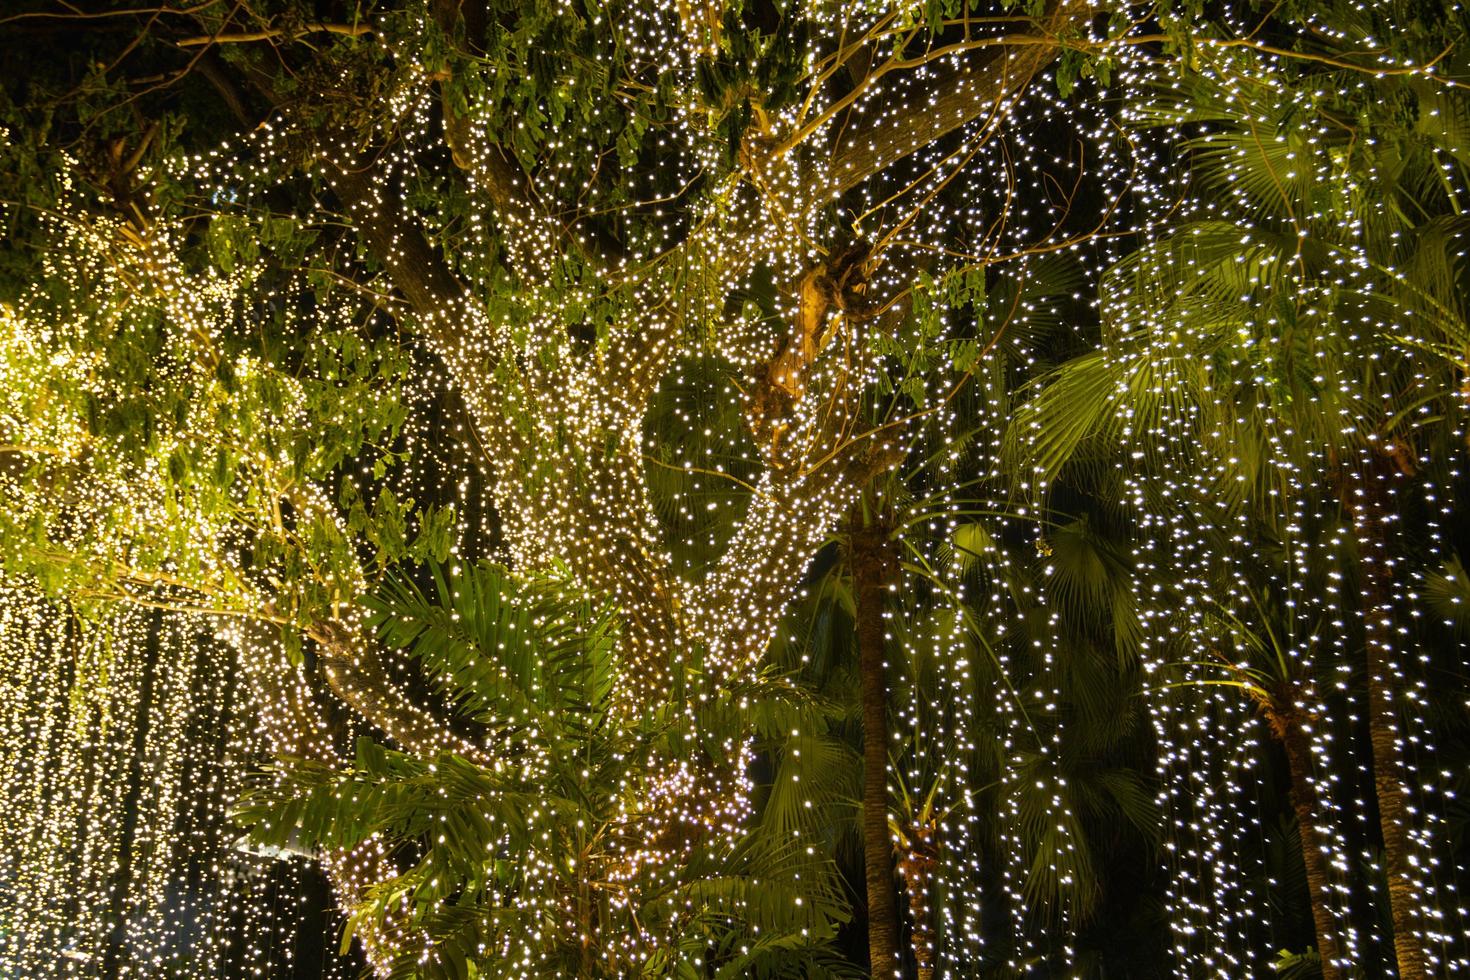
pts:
pixel 347 30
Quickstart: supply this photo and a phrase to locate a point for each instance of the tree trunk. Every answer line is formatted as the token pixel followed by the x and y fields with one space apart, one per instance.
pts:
pixel 1393 817
pixel 872 570
pixel 917 871
pixel 1365 503
pixel 1304 802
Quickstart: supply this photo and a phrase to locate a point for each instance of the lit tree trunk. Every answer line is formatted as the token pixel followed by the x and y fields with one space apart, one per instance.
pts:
pixel 1367 507
pixel 596 490
pixel 872 570
pixel 917 871
pixel 1289 732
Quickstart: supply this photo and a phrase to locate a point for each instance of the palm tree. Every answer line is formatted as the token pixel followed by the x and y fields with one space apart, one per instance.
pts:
pixel 928 524
pixel 1263 665
pixel 1297 344
pixel 872 559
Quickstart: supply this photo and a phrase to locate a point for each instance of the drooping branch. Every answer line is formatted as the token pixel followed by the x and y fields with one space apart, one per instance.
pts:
pixel 354 665
pixel 293 722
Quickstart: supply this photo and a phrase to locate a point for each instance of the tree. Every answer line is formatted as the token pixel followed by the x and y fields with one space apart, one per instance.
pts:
pixel 187 429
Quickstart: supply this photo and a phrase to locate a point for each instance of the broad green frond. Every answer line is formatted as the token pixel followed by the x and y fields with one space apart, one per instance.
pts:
pixel 512 651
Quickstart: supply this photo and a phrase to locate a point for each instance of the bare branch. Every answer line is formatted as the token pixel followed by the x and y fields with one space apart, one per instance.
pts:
pixel 102 14
pixel 346 30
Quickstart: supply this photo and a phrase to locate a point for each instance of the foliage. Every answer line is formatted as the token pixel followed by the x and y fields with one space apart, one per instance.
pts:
pixel 535 859
pixel 337 300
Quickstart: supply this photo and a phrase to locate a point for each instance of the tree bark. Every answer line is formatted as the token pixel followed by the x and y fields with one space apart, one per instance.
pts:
pixel 1304 802
pixel 916 867
pixel 871 560
pixel 1368 509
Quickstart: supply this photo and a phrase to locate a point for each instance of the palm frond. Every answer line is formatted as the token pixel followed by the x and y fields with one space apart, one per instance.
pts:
pixel 510 650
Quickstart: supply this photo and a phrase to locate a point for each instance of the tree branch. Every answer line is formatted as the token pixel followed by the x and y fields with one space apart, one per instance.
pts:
pixel 978 87
pixel 532 234
pixel 346 30
pixel 356 673
pixel 529 232
pixel 294 726
pixel 414 266
pixel 958 97
pixel 416 269
pixel 788 521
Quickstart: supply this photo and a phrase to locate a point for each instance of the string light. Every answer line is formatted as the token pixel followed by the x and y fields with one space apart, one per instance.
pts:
pixel 262 490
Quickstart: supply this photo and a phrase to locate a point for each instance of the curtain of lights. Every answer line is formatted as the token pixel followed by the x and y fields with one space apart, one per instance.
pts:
pixel 126 741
